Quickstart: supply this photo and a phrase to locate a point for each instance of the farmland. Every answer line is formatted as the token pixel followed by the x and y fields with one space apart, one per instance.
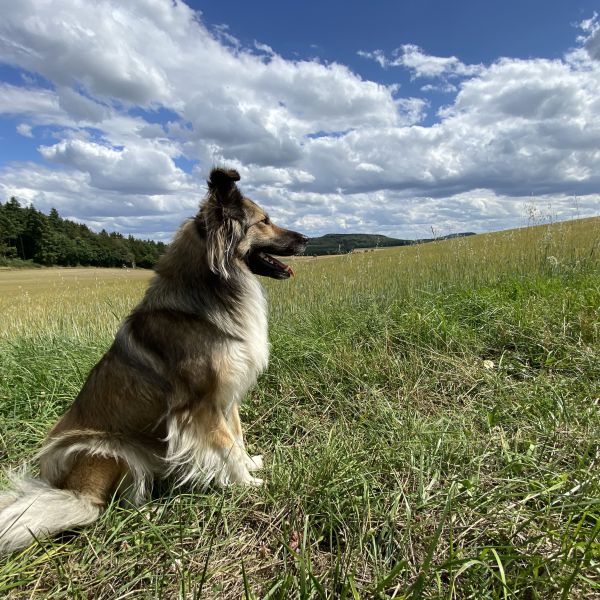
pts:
pixel 430 423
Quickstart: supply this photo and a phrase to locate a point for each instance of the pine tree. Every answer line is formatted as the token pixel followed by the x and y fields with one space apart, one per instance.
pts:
pixel 28 234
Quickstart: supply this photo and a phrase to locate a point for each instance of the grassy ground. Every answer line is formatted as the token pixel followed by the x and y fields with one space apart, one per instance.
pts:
pixel 430 422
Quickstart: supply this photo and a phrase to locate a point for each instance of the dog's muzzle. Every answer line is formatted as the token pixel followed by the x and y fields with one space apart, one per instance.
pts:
pixel 262 263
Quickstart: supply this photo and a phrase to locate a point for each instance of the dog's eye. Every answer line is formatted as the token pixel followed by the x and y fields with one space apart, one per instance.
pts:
pixel 265 221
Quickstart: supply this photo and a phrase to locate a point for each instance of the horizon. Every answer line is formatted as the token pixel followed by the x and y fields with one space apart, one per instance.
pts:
pixel 533 220
pixel 386 120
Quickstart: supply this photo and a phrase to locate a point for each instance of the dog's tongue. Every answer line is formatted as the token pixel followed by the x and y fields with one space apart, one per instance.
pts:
pixel 278 263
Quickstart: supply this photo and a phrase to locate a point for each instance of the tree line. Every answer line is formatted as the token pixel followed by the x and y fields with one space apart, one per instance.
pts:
pixel 27 234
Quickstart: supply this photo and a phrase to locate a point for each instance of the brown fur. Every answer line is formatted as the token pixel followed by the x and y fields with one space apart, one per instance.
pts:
pixel 95 477
pixel 164 398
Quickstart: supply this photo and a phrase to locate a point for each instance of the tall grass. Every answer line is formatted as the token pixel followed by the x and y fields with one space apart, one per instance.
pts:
pixel 394 273
pixel 430 421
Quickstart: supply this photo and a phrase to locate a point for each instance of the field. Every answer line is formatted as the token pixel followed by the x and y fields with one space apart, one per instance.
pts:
pixel 430 422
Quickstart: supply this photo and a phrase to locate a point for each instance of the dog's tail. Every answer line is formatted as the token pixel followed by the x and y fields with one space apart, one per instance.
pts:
pixel 81 471
pixel 34 509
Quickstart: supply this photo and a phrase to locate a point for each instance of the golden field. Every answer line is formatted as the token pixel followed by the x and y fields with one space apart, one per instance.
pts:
pixel 93 301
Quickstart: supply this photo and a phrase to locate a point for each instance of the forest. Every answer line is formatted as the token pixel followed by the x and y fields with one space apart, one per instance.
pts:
pixel 27 235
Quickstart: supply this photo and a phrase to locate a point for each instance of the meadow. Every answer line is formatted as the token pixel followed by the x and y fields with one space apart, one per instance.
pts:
pixel 430 422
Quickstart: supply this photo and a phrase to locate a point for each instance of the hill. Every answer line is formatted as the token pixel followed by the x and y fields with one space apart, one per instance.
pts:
pixel 342 243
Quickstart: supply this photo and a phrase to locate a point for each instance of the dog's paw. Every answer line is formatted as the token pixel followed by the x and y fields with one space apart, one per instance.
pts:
pixel 240 479
pixel 255 463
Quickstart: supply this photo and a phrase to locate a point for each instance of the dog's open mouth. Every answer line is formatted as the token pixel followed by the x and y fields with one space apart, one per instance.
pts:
pixel 261 263
pixel 275 264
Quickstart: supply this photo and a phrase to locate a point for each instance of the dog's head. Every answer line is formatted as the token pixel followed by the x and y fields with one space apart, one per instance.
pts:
pixel 240 233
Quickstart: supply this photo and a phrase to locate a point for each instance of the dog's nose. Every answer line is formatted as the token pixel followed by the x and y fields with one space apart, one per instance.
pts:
pixel 303 239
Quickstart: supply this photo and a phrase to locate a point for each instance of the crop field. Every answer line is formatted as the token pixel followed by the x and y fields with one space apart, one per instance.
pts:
pixel 430 422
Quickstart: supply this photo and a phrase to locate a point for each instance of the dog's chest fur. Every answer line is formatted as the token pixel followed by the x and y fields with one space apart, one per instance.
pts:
pixel 245 355
pixel 257 332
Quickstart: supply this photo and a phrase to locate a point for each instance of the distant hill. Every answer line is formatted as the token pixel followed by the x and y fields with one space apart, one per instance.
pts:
pixel 342 243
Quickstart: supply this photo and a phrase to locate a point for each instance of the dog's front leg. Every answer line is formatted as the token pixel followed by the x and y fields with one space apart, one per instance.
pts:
pixel 202 448
pixel 233 455
pixel 254 463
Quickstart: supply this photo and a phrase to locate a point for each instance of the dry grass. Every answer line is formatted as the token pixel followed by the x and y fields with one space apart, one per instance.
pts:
pixel 61 300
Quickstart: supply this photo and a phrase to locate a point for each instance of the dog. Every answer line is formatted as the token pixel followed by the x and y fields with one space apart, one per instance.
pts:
pixel 164 399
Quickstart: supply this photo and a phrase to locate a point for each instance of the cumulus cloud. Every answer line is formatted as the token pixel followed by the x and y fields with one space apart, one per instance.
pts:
pixel 118 93
pixel 96 45
pixel 72 192
pixel 135 169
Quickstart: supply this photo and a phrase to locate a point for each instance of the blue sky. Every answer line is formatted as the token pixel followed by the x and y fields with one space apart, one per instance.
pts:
pixel 383 117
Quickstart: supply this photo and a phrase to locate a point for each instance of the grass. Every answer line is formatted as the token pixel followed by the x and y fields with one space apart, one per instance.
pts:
pixel 430 422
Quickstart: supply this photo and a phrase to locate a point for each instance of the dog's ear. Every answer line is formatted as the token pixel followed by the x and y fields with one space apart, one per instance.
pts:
pixel 222 218
pixel 222 181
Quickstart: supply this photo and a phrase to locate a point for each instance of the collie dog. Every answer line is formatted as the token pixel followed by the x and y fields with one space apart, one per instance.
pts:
pixel 164 398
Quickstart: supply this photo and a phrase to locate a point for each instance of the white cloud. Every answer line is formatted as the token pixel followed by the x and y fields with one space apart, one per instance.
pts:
pixel 135 169
pixel 81 108
pixel 15 100
pixel 72 192
pixel 445 87
pixel 421 64
pixel 424 65
pixel 520 126
pixel 591 41
pixel 96 45
pixel 25 130
pixel 377 55
pixel 323 148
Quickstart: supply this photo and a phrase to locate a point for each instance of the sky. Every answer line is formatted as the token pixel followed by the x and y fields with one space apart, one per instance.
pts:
pixel 392 117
